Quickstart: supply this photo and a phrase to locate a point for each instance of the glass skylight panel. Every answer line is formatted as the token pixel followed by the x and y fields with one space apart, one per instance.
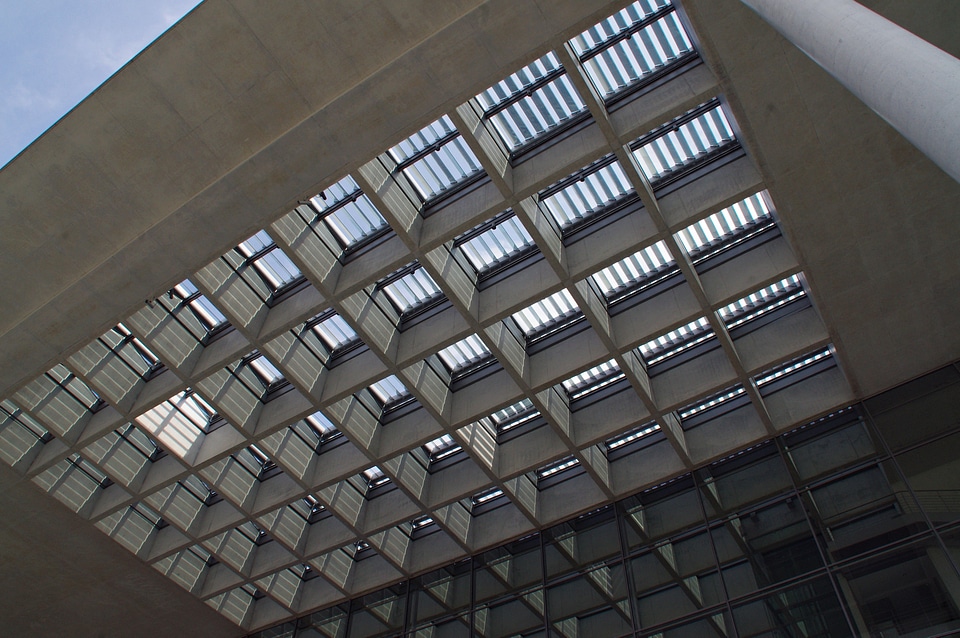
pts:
pixel 711 402
pixel 10 410
pixel 349 214
pixel 132 351
pixel 179 422
pixel 79 390
pixel 496 243
pixel 725 225
pixel 435 158
pixel 617 442
pixel 631 45
pixel 631 273
pixel 321 425
pixel 792 367
pixel 682 144
pixel 557 467
pixel 441 448
pixel 486 496
pixel 546 313
pixel 266 257
pixel 464 354
pixel 375 477
pixel 412 290
pixel 677 341
pixel 389 391
pixel 513 416
pixel 592 380
pixel 265 371
pixel 202 308
pixel 762 302
pixel 335 332
pixel 586 192
pixel 532 101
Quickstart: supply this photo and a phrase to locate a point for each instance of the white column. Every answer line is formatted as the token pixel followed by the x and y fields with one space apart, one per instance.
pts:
pixel 910 83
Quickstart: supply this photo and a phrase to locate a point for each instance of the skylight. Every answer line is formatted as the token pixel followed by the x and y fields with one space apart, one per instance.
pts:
pixel 76 388
pixel 724 226
pixel 617 281
pixel 591 380
pixel 586 192
pixel 464 354
pixel 630 436
pixel 546 314
pixel 410 288
pixel 631 45
pixel 557 467
pixel 441 448
pixel 530 102
pixel 792 367
pixel 266 372
pixel 513 416
pixel 374 477
pixel 763 301
pixel 677 341
pixel 711 402
pixel 435 159
pixel 334 331
pixel 683 141
pixel 495 242
pixel 274 267
pixel 202 308
pixel 389 391
pixel 348 213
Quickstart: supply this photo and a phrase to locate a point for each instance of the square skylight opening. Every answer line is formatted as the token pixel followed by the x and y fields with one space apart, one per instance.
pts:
pixel 676 341
pixel 274 267
pixel 464 354
pixel 683 142
pixel 348 213
pixel 531 102
pixel 441 448
pixel 202 308
pixel 486 496
pixel 725 227
pixel 76 388
pixel 586 193
pixel 617 442
pixel 762 302
pixel 726 398
pixel 620 280
pixel 512 416
pixel 557 467
pixel 139 441
pixel 769 378
pixel 389 392
pixel 322 427
pixel 632 45
pixel 592 380
pixel 266 374
pixel 410 289
pixel 435 159
pixel 334 331
pixel 374 477
pixel 495 242
pixel 90 471
pixel 547 314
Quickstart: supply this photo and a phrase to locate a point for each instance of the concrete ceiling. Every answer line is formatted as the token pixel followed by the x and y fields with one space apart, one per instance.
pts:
pixel 246 108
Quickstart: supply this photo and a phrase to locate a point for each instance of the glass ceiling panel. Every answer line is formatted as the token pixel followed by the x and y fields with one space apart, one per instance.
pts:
pixel 676 341
pixel 389 390
pixel 792 367
pixel 631 273
pixel 274 266
pixel 441 448
pixel 14 412
pixel 497 241
pixel 335 332
pixel 546 313
pixel 591 380
pixel 514 415
pixel 435 159
pixel 633 435
pixel 266 371
pixel 202 308
pixel 588 192
pixel 79 390
pixel 464 354
pixel 537 98
pixel 374 477
pixel 683 144
pixel 763 301
pixel 725 226
pixel 557 467
pixel 631 45
pixel 412 290
pixel 711 402
pixel 348 213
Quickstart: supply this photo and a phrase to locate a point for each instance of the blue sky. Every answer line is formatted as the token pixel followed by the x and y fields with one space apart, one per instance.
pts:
pixel 53 53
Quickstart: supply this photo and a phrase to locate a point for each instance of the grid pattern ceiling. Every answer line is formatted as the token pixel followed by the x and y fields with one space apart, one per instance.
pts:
pixel 568 289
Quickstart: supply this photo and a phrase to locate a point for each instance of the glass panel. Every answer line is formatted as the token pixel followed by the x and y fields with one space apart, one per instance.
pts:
pixel 441 448
pixel 605 31
pixel 591 380
pixel 501 240
pixel 202 308
pixel 335 332
pixel 617 281
pixel 586 193
pixel 636 434
pixel 441 593
pixel 676 341
pixel 389 390
pixel 381 613
pixel 464 354
pixel 933 472
pixel 711 402
pixel 580 543
pixel 519 615
pixel 681 145
pixel 794 366
pixel 831 444
pixel 508 568
pixel 547 313
pixel 762 302
pixel 274 266
pixel 556 468
pixel 513 416
pixel 725 226
pixel 435 158
pixel 660 512
pixel 414 289
pixel 521 113
pixel 348 213
pixel 595 603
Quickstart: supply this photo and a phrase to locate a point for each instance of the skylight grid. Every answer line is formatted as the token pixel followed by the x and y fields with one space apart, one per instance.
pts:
pixel 412 290
pixel 791 367
pixel 435 159
pixel 179 422
pixel 591 380
pixel 537 98
pixel 498 244
pixel 676 341
pixel 631 273
pixel 762 302
pixel 631 57
pixel 594 190
pixel 546 313
pixel 683 144
pixel 343 190
pixel 464 354
pixel 265 371
pixel 203 309
pixel 389 391
pixel 725 225
pixel 335 332
pixel 132 351
pixel 274 267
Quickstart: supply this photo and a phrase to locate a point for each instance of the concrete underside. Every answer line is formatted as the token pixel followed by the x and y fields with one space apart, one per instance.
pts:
pixel 246 107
